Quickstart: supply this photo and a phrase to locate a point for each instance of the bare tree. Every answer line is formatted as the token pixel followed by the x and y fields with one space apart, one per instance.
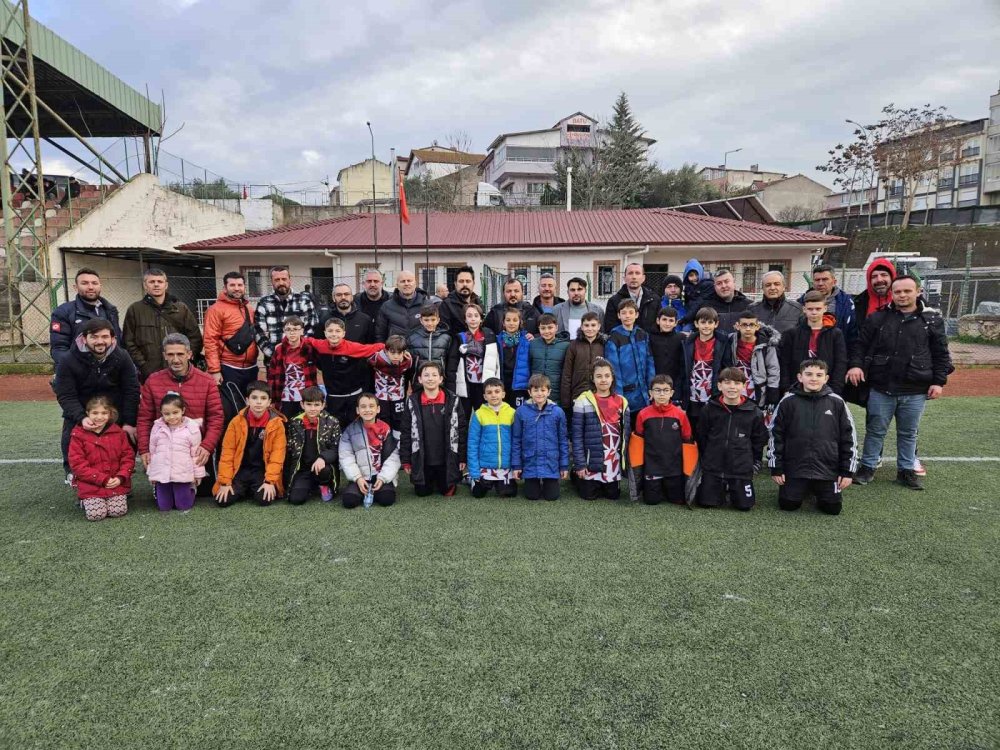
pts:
pixel 796 213
pixel 459 140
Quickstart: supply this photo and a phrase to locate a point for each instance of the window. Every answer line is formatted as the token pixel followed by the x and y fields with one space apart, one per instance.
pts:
pixel 964 196
pixel 606 273
pixel 944 200
pixel 257 280
pixel 536 188
pixel 428 279
pixel 527 153
pixel 578 128
pixel 749 279
pixel 322 282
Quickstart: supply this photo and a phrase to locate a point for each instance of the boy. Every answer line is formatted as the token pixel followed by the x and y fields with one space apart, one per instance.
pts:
pixel 292 368
pixel 815 337
pixel 253 452
pixel 313 439
pixel 430 342
pixel 343 374
pixel 582 353
pixel 755 351
pixel 547 352
pixel 731 436
pixel 512 346
pixel 490 430
pixel 813 448
pixel 432 443
pixel 540 448
pixel 369 457
pixel 705 356
pixel 392 367
pixel 664 428
pixel 600 436
pixel 666 345
pixel 628 352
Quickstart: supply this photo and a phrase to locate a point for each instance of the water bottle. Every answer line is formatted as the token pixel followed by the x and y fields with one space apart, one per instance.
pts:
pixel 370 495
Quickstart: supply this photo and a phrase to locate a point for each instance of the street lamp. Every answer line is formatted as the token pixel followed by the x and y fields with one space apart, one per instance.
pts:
pixel 725 171
pixel 374 216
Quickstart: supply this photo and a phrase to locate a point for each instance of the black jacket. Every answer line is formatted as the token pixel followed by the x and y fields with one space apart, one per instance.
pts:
pixel 370 307
pixel 728 311
pixel 812 436
pixel 537 303
pixel 901 353
pixel 360 328
pixel 412 440
pixel 147 324
pixel 80 376
pixel 70 317
pixel 399 316
pixel 494 320
pixel 722 357
pixel 668 355
pixel 327 439
pixel 830 347
pixel 452 311
pixel 730 438
pixel 649 306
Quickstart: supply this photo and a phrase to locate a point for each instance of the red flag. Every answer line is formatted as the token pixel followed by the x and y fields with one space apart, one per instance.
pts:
pixel 245 193
pixel 404 211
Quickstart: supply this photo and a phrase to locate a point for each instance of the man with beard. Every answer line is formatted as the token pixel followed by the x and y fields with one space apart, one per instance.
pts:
pixel 775 309
pixel 69 318
pixel 400 314
pixel 878 294
pixel 546 300
pixel 272 310
pixel 452 308
pixel 374 296
pixel 570 313
pixel 230 349
pixel 357 325
pixel 513 294
pixel 96 366
pixel 635 289
pixel 724 298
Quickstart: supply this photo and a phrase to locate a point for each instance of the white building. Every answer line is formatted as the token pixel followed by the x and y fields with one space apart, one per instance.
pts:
pixel 435 162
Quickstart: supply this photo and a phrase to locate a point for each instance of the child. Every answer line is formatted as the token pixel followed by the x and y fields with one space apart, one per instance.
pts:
pixel 174 440
pixel 512 346
pixel 600 435
pixel 433 440
pixel 755 351
pixel 815 337
pixel 253 452
pixel 292 368
pixel 430 342
pixel 813 448
pixel 628 352
pixel 472 360
pixel 666 345
pixel 697 283
pixel 547 352
pixel 731 436
pixel 490 430
pixel 369 456
pixel 539 444
pixel 664 428
pixel 101 459
pixel 392 368
pixel 312 442
pixel 672 290
pixel 578 367
pixel 344 372
pixel 705 356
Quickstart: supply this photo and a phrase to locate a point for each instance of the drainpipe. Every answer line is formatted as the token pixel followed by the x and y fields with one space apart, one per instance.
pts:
pixel 336 265
pixel 644 251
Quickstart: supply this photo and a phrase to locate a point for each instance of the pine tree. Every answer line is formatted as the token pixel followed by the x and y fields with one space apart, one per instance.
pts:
pixel 625 171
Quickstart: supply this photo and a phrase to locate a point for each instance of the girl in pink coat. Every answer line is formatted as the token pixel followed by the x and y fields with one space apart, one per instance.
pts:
pixel 173 444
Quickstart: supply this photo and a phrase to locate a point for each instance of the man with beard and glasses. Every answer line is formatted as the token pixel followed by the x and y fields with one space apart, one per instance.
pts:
pixel 272 309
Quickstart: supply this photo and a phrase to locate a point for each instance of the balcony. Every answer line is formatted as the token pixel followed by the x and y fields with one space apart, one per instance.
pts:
pixel 968 153
pixel 896 192
pixel 966 180
pixel 946 184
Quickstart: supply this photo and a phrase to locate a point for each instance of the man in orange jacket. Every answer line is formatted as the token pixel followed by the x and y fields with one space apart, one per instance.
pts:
pixel 230 349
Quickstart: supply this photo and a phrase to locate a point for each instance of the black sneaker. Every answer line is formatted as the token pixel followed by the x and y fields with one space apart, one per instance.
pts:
pixel 909 479
pixel 864 475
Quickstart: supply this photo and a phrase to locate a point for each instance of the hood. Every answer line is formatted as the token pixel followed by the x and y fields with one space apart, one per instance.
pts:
pixel 829 321
pixel 745 404
pixel 874 300
pixel 797 389
pixel 81 345
pixel 561 336
pixel 556 300
pixel 694 265
pixel 601 337
pixel 767 336
pixel 506 410
pixel 223 298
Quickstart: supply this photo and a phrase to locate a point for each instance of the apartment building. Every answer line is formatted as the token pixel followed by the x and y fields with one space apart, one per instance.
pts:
pixel 728 178
pixel 991 159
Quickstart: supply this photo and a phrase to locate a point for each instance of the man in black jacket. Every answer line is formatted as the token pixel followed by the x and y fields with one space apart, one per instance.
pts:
pixel 370 301
pixel 725 299
pixel 635 289
pixel 452 307
pixel 902 353
pixel 69 318
pixel 546 300
pixel 513 294
pixel 400 314
pixel 358 327
pixel 96 366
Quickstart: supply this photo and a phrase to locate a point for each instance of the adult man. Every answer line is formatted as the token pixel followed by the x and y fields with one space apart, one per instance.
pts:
pixel 150 319
pixel 878 293
pixel 838 302
pixel 568 313
pixel 902 353
pixel 96 366
pixel 400 314
pixel 452 309
pixel 513 294
pixel 272 309
pixel 775 309
pixel 724 298
pixel 546 300
pixel 69 318
pixel 358 326
pixel 440 292
pixel 200 395
pixel 635 289
pixel 230 351
pixel 374 295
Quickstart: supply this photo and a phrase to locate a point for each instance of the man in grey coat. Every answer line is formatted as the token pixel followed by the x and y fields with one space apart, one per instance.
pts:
pixel 569 313
pixel 776 310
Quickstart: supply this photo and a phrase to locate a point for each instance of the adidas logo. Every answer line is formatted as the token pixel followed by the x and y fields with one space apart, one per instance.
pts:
pixel 828 412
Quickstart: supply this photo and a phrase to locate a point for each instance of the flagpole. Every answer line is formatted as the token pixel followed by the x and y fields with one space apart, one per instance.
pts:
pixel 399 208
pixel 427 239
pixel 374 216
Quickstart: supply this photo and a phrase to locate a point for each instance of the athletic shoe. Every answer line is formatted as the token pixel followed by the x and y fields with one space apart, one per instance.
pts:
pixel 69 478
pixel 878 464
pixel 908 479
pixel 918 468
pixel 864 475
pixel 450 492
pixel 325 493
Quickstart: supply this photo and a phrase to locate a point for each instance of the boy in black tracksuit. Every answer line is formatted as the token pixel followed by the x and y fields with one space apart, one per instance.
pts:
pixel 731 436
pixel 432 444
pixel 813 448
pixel 666 344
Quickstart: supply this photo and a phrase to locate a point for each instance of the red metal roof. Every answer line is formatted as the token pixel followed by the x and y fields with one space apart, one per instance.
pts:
pixel 540 229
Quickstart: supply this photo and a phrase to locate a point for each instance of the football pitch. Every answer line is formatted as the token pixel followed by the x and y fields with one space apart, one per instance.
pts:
pixel 464 623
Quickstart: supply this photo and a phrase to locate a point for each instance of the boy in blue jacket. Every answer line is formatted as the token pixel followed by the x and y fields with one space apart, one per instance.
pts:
pixel 490 431
pixel 627 349
pixel 540 445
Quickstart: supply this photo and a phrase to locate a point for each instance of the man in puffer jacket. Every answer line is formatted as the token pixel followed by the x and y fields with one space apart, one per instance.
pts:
pixel 540 445
pixel 400 314
pixel 627 349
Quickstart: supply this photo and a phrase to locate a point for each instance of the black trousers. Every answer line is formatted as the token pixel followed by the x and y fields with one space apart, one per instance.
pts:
pixel 291 409
pixel 503 489
pixel 474 400
pixel 693 411
pixel 352 497
pixel 391 412
pixel 671 489
pixel 515 398
pixel 343 409
pixel 535 489
pixel 591 489
pixel 245 487
pixel 304 483
pixel 715 491
pixel 435 480
pixel 235 381
pixel 794 491
pixel 67 429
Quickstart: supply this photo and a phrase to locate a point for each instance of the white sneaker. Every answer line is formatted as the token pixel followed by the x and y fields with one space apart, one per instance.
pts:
pixel 69 479
pixel 878 464
pixel 918 468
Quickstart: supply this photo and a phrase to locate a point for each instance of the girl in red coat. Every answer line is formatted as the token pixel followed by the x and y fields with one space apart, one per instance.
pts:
pixel 102 459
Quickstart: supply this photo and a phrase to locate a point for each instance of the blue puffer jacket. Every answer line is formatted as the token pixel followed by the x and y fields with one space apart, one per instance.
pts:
pixel 630 357
pixel 678 305
pixel 540 445
pixel 588 434
pixel 490 439
pixel 522 368
pixel 547 359
pixel 701 287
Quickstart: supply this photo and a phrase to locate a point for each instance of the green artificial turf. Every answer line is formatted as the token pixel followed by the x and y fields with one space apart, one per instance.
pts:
pixel 463 623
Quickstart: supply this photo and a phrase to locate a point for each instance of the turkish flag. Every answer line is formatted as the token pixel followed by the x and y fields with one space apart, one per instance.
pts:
pixel 404 211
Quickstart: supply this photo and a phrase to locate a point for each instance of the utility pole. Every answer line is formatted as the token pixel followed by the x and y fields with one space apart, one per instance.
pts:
pixel 725 171
pixel 569 189
pixel 374 216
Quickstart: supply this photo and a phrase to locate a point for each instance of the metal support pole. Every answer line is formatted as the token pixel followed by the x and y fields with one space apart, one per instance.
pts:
pixel 374 212
pixel 966 278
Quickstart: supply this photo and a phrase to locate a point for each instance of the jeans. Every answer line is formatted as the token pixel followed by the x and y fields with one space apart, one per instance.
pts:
pixel 882 408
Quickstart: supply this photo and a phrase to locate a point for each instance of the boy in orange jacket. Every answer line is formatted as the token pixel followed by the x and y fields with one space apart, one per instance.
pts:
pixel 253 452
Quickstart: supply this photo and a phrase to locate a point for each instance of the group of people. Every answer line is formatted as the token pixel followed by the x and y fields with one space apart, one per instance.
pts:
pixel 364 386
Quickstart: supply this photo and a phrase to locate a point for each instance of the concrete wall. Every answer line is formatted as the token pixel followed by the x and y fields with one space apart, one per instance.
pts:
pixel 355 182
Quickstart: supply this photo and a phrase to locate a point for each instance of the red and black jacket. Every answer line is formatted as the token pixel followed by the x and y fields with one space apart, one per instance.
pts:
pixel 664 430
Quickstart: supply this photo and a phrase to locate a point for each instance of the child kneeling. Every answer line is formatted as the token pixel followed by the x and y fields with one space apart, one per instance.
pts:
pixel 490 429
pixel 313 439
pixel 664 428
pixel 101 459
pixel 539 444
pixel 253 452
pixel 369 456
pixel 433 441
pixel 600 435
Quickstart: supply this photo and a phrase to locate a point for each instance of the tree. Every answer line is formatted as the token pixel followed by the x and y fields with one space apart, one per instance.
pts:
pixel 624 169
pixel 423 193
pixel 586 178
pixel 796 213
pixel 204 190
pixel 676 187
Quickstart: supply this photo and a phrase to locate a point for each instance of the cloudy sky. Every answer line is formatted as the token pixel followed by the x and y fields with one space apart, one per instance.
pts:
pixel 279 92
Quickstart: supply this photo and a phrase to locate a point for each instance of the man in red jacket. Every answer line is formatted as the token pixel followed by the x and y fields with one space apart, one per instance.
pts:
pixel 197 388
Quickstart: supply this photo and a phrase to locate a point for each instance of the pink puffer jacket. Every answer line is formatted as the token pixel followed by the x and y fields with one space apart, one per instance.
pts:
pixel 172 452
